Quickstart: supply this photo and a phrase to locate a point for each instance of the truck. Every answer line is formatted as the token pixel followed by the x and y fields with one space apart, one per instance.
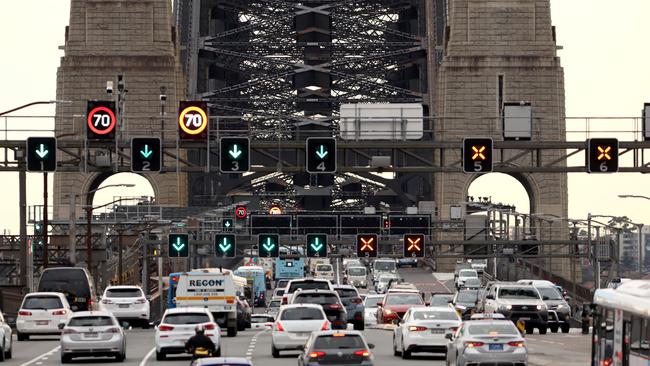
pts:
pixel 314 262
pixel 218 291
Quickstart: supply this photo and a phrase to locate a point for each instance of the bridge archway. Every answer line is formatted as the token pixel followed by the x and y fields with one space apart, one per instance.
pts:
pixel 516 189
pixel 142 186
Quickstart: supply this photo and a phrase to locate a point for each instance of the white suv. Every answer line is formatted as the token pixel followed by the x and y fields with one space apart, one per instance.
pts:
pixel 178 325
pixel 126 303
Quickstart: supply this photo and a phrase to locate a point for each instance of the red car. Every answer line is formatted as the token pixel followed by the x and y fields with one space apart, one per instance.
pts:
pixel 395 304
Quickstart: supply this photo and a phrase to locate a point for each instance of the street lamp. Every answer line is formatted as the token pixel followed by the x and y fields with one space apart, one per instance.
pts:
pixel 640 226
pixel 36 103
pixel 633 196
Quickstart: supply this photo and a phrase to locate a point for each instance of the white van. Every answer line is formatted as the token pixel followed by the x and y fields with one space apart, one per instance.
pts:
pixel 325 271
pixel 357 276
pixel 216 291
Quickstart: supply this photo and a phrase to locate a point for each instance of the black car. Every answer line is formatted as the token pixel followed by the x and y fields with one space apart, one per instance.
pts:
pixel 465 302
pixel 329 347
pixel 329 300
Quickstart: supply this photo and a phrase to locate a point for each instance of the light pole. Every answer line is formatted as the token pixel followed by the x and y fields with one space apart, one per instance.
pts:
pixel 640 227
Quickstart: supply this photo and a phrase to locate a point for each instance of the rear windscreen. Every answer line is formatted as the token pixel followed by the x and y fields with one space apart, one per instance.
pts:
pixel 315 285
pixel 124 292
pixel 42 302
pixel 274 304
pixel 90 321
pixel 324 268
pixel 356 271
pixel 492 329
pixel 320 299
pixel 347 292
pixel 68 281
pixel 261 319
pixel 186 318
pixel 339 341
pixel 302 314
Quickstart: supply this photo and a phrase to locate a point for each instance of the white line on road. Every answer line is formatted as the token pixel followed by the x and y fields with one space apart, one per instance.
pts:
pixel 147 356
pixel 37 358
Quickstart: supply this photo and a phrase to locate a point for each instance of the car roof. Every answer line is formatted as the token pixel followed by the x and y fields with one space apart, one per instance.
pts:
pixel 223 361
pixel 435 308
pixel 490 321
pixel 123 286
pixel 340 331
pixel 314 291
pixel 292 306
pixel 91 313
pixel 511 284
pixel 57 294
pixel 181 310
pixel 344 287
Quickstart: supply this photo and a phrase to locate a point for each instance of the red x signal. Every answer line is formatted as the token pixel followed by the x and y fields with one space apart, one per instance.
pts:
pixel 367 244
pixel 478 153
pixel 603 153
pixel 413 244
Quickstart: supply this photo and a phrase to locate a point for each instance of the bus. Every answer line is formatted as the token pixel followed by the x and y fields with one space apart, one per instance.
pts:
pixel 256 281
pixel 171 291
pixel 289 268
pixel 621 325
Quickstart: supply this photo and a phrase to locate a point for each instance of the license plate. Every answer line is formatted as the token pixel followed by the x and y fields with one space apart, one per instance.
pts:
pixel 80 299
pixel 437 331
pixel 91 335
pixel 42 322
pixel 524 319
pixel 303 334
pixel 123 306
pixel 496 347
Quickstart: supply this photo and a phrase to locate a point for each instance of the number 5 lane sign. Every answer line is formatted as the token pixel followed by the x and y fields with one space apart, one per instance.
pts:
pixel 192 120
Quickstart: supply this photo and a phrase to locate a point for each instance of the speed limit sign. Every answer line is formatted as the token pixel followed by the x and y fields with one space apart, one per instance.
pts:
pixel 100 120
pixel 192 120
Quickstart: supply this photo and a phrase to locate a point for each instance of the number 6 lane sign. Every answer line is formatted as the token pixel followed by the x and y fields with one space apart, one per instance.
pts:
pixel 192 120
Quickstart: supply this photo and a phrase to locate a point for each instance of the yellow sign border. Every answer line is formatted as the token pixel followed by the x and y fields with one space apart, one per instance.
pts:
pixel 181 118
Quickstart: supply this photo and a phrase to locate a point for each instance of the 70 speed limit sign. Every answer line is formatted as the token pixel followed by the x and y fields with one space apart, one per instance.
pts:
pixel 100 120
pixel 192 120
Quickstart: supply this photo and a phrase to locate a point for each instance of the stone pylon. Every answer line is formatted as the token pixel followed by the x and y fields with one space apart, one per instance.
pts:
pixel 135 39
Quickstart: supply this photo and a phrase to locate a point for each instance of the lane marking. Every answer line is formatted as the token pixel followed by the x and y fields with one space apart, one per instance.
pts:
pixel 252 344
pixel 146 357
pixel 37 358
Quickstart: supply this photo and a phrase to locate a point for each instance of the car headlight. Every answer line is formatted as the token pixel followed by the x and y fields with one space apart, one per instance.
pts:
pixel 505 307
pixel 461 307
pixel 541 307
pixel 388 311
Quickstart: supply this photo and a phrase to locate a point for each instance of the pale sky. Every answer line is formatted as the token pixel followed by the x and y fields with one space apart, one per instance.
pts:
pixel 605 61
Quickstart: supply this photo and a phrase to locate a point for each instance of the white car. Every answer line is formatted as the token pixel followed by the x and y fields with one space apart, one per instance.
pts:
pixel 370 308
pixel 294 325
pixel 178 325
pixel 277 293
pixel 423 330
pixel 325 271
pixel 92 334
pixel 261 321
pixel 41 313
pixel 7 344
pixel 464 275
pixel 126 303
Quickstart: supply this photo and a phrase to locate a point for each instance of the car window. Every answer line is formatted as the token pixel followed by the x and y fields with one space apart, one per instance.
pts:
pixel 123 292
pixel 302 314
pixel 492 329
pixel 347 292
pixel 517 293
pixel 440 300
pixel 91 321
pixel 260 319
pixel 320 299
pixel 274 304
pixel 311 285
pixel 324 268
pixel 384 266
pixel 549 292
pixel 337 341
pixel 434 315
pixel 467 296
pixel 186 318
pixel 468 273
pixel 279 292
pixel 403 299
pixel 371 301
pixel 42 302
pixel 356 271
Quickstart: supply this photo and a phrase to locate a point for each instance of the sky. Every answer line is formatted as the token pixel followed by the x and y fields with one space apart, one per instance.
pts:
pixel 604 57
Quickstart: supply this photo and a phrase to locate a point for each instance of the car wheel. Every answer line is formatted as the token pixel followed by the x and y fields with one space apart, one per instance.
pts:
pixel 120 357
pixel 65 358
pixel 530 329
pixel 160 356
pixel 22 337
pixel 565 328
pixel 542 329
pixel 395 351
pixel 218 353
pixel 405 353
pixel 275 352
pixel 232 331
pixel 9 354
pixel 553 329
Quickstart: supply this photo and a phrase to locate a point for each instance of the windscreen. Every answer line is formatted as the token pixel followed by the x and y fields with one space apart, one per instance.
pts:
pixel 518 293
pixel 384 266
pixel 492 329
pixel 91 321
pixel 371 301
pixel 324 268
pixel 356 271
pixel 468 273
pixel 186 318
pixel 347 292
pixel 124 292
pixel 261 319
pixel 320 299
pixel 279 292
pixel 441 300
pixel 282 284
pixel 403 299
pixel 42 302
pixel 274 304
pixel 67 280
pixel 315 285
pixel 336 341
pixel 549 292
pixel 302 314
pixel 435 315
pixel 467 296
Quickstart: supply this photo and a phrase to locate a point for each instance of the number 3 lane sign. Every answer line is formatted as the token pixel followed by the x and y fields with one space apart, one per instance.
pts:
pixel 192 120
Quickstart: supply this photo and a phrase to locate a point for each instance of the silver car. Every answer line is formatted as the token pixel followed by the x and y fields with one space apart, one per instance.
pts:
pixel 486 341
pixel 92 334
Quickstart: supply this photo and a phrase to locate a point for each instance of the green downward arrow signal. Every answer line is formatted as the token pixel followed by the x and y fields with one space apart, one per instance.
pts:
pixel 226 224
pixel 224 246
pixel 316 245
pixel 42 152
pixel 146 153
pixel 178 246
pixel 322 152
pixel 268 246
pixel 235 152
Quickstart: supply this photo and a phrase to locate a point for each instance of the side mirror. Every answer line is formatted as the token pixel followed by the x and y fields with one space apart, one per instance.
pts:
pixel 371 346
pixel 449 336
pixel 490 297
pixel 148 297
pixel 545 298
pixel 61 326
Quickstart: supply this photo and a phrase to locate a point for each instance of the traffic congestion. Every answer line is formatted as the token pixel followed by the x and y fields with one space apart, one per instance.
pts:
pixel 339 312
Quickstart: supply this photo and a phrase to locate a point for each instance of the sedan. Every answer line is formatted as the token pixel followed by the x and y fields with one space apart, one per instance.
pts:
pixel 92 334
pixel 341 347
pixel 423 330
pixel 178 325
pixel 294 325
pixel 493 341
pixel 261 321
pixel 395 305
pixel 465 302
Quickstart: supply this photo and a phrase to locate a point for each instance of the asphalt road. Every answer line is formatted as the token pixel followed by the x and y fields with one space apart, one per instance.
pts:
pixel 570 349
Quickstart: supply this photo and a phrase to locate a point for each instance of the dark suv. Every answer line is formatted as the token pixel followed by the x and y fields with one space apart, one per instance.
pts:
pixel 329 300
pixel 353 304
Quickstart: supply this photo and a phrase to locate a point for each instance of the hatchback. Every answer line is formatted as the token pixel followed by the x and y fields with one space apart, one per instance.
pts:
pixel 342 347
pixel 294 326
pixel 41 313
pixel 92 334
pixel 178 325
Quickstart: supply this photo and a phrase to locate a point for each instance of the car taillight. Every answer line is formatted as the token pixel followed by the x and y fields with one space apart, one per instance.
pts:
pixel 107 301
pixel 357 300
pixel 284 300
pixel 519 344
pixel 60 312
pixel 362 353
pixel 278 327
pixel 316 355
pixel 335 306
pixel 68 331
pixel 141 301
pixel 165 328
pixel 209 326
pixel 453 329
pixel 24 313
pixel 326 326
pixel 414 328
pixel 474 344
pixel 113 330
pixel 90 304
pixel 230 301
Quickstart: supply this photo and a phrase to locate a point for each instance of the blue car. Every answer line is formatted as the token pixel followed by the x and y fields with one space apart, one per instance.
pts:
pixel 407 261
pixel 353 305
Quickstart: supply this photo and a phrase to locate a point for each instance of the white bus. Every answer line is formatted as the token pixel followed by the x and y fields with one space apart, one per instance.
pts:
pixel 621 328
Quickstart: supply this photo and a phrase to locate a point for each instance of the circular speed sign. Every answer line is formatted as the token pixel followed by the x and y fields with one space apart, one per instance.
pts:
pixel 193 120
pixel 101 120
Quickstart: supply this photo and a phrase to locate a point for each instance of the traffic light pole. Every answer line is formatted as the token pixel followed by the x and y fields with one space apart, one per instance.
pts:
pixel 24 245
pixel 89 233
pixel 45 223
